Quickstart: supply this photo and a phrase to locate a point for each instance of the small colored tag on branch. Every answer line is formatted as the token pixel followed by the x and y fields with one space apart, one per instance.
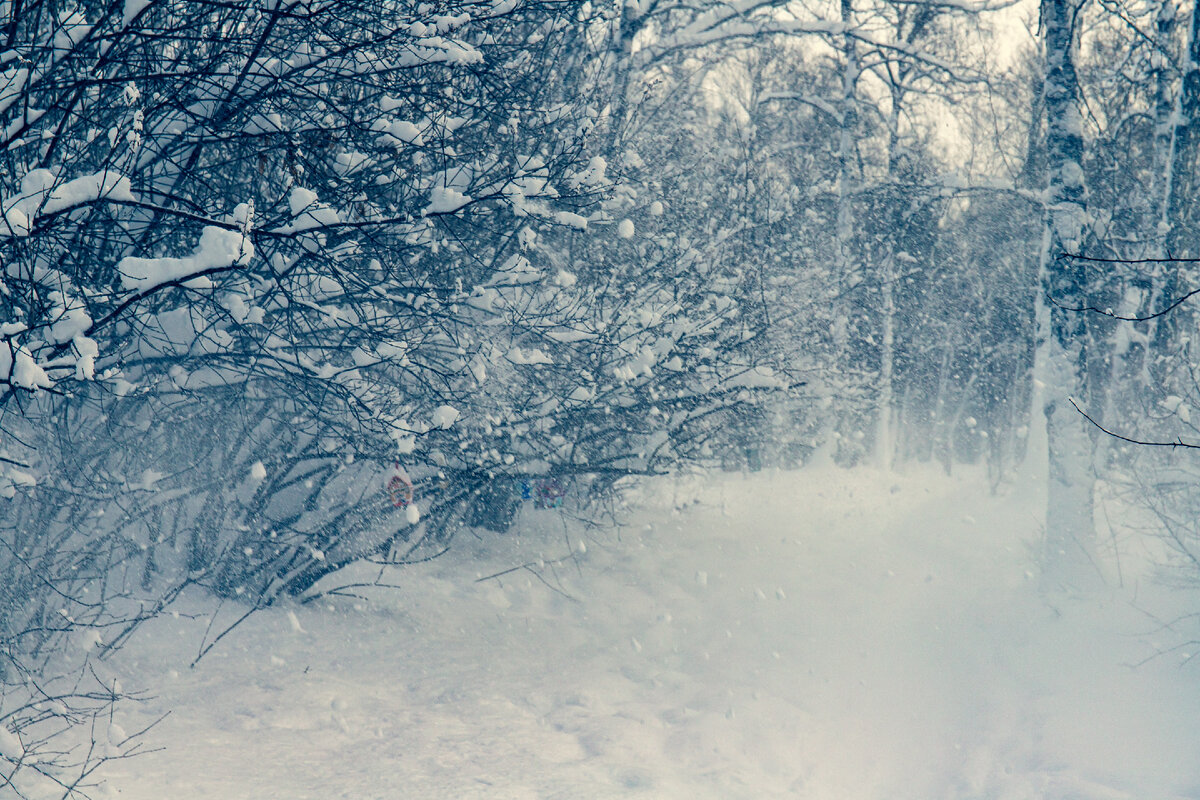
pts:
pixel 548 493
pixel 400 488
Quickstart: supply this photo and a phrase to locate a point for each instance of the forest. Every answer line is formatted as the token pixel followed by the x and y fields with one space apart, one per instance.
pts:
pixel 288 287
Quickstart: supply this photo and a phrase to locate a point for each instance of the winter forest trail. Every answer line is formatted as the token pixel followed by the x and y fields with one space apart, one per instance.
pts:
pixel 820 635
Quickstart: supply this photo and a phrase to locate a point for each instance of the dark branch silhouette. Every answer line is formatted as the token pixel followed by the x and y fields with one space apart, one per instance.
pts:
pixel 1175 444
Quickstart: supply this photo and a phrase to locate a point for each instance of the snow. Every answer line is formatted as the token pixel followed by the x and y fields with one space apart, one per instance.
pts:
pixel 519 355
pixel 592 175
pixel 11 478
pixel 132 9
pixel 70 318
pixel 757 378
pixel 42 193
pixel 87 189
pixel 16 223
pixel 571 220
pixel 308 213
pixel 24 372
pixel 1173 404
pixel 86 351
pixel 217 248
pixel 400 132
pixel 12 84
pixel 345 163
pixel 445 416
pixel 625 229
pixel 265 123
pixel 820 634
pixel 148 479
pixel 569 335
pixel 10 745
pixel 444 200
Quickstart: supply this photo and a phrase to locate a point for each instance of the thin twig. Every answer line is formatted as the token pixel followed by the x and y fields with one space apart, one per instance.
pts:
pixel 1176 443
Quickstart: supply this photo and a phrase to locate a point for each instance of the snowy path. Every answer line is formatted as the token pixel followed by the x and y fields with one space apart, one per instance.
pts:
pixel 833 636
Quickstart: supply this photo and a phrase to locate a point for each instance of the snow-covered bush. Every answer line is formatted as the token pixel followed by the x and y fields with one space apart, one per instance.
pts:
pixel 68 591
pixel 262 260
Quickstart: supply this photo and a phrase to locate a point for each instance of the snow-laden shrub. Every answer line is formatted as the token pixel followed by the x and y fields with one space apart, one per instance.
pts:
pixel 258 259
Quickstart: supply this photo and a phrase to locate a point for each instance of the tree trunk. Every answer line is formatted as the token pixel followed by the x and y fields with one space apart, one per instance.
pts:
pixel 1166 125
pixel 885 399
pixel 827 444
pixel 885 450
pixel 1185 159
pixel 1059 431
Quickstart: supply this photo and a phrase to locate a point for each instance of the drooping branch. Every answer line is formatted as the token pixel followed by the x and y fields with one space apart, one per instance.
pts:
pixel 1178 443
pixel 1108 312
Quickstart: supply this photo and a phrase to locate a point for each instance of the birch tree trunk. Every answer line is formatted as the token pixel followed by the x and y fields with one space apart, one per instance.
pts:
pixel 1184 156
pixel 1060 367
pixel 843 266
pixel 1166 124
pixel 1145 295
pixel 885 412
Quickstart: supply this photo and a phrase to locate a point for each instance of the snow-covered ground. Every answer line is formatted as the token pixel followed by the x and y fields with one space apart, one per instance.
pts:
pixel 828 635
